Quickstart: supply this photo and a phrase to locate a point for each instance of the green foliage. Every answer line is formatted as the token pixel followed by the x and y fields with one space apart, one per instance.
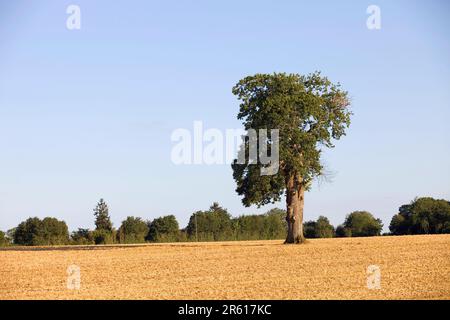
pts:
pixel 446 227
pixel 277 212
pixel 321 228
pixel 217 225
pixel 324 229
pixel 36 232
pixel 4 241
pixel 342 231
pixel 212 225
pixel 133 230
pixel 183 236
pixel 163 229
pixel 399 225
pixel 422 216
pixel 309 111
pixel 309 229
pixel 362 224
pixel 102 236
pixel 10 234
pixel 275 226
pixel 102 219
pixel 249 227
pixel 271 225
pixel 82 237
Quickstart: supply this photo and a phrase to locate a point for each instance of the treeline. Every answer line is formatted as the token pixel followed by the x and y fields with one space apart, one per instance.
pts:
pixel 356 224
pixel 214 224
pixel 421 216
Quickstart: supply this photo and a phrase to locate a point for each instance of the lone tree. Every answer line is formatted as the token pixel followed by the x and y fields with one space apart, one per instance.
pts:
pixel 309 112
pixel 102 219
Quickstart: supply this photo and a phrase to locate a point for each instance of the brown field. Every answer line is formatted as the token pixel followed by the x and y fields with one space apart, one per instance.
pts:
pixel 412 267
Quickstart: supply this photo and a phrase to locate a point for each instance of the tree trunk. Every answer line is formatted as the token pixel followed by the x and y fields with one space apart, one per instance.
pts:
pixel 294 203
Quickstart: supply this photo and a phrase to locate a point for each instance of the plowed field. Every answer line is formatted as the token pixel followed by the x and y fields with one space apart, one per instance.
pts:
pixel 410 267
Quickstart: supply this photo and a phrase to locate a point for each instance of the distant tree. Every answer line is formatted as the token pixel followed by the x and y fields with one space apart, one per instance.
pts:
pixel 10 234
pixel 82 237
pixel 183 236
pixel 55 231
pixel 309 229
pixel 4 241
pixel 249 227
pixel 133 230
pixel 446 227
pixel 28 232
pixel 422 216
pixel 48 231
pixel 342 231
pixel 363 224
pixel 102 236
pixel 163 229
pixel 267 226
pixel 102 219
pixel 275 225
pixel 324 229
pixel 310 112
pixel 318 229
pixel 278 212
pixel 399 225
pixel 212 225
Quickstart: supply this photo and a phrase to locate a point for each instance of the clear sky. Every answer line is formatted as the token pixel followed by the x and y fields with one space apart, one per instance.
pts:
pixel 89 113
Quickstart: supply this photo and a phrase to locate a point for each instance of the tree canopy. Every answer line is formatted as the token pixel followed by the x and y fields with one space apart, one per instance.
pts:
pixel 213 224
pixel 133 230
pixel 163 229
pixel 37 232
pixel 362 224
pixel 422 216
pixel 321 228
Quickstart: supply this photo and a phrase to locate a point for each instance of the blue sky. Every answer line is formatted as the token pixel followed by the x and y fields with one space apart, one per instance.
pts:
pixel 88 113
